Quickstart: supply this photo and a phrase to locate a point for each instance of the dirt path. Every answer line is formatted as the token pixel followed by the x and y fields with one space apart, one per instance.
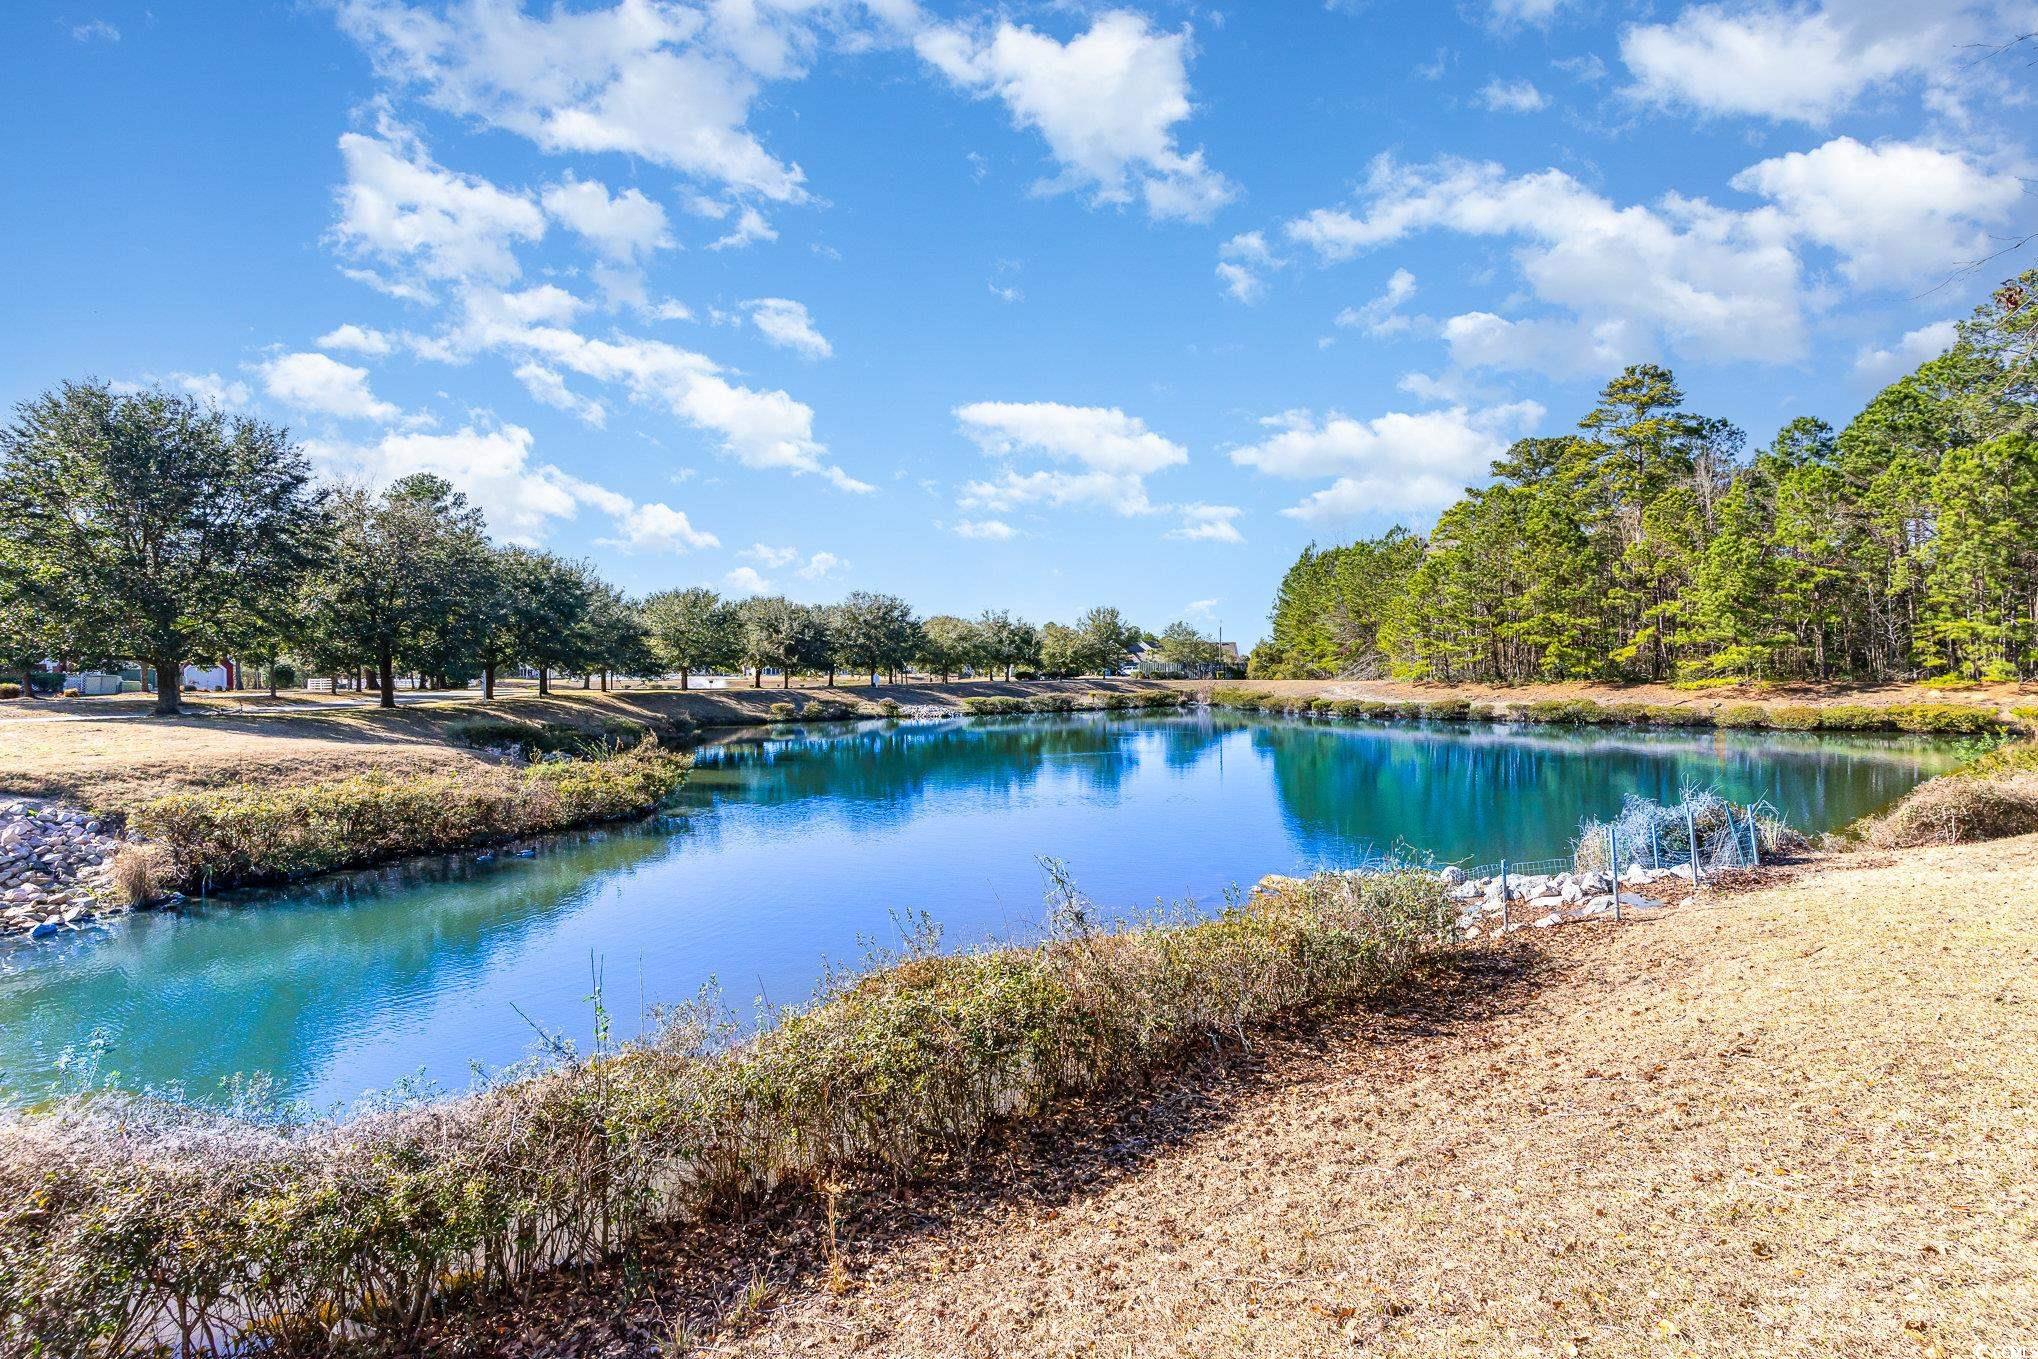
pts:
pixel 1794 1121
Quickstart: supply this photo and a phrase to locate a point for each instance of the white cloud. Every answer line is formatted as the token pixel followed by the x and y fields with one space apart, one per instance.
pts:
pixel 1382 315
pixel 1106 102
pixel 669 83
pixel 550 388
pixel 1556 348
pixel 213 390
pixel 1895 212
pixel 1707 281
pixel 1100 438
pixel 771 558
pixel 625 227
pixel 360 339
pixel 1397 462
pixel 97 30
pixel 1798 63
pixel 320 385
pixel 1243 262
pixel 1208 524
pixel 657 527
pixel 786 324
pixel 1512 96
pixel 493 467
pixel 1883 366
pixel 748 581
pixel 1526 11
pixel 759 429
pixel 820 566
pixel 988 530
pixel 399 206
pixel 750 227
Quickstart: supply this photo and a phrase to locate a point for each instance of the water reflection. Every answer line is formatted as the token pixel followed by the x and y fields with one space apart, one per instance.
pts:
pixel 796 843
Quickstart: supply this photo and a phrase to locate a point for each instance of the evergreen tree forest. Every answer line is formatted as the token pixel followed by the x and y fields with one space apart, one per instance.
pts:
pixel 1651 544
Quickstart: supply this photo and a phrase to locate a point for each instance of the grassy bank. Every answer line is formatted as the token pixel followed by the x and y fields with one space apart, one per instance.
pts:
pixel 1993 797
pixel 123 1222
pixel 1789 1121
pixel 237 837
pixel 1966 719
pixel 117 762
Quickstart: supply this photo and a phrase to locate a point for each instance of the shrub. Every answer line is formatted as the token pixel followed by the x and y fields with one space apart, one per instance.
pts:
pixel 889 707
pixel 1572 711
pixel 229 837
pixel 1228 696
pixel 141 874
pixel 1677 715
pixel 285 675
pixel 2025 718
pixel 1742 715
pixel 1853 717
pixel 1955 718
pixel 1447 709
pixel 1482 712
pixel 1957 809
pixel 125 1224
pixel 1794 717
pixel 993 706
pixel 532 739
pixel 1628 714
pixel 10 690
pixel 1351 707
pixel 783 712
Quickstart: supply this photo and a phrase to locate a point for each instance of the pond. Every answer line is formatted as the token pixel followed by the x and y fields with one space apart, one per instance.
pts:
pixel 796 846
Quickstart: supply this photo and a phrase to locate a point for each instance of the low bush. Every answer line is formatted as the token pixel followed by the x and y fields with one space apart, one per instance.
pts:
pixel 1742 715
pixel 1959 808
pixel 230 837
pixel 1447 709
pixel 10 690
pixel 783 712
pixel 1229 696
pixel 889 707
pixel 1571 711
pixel 127 1225
pixel 993 706
pixel 2025 718
pixel 1853 717
pixel 1352 708
pixel 1629 714
pixel 1794 717
pixel 1678 715
pixel 1482 712
pixel 532 739
pixel 1963 719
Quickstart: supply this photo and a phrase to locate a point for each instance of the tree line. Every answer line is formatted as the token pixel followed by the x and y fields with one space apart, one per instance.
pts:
pixel 147 526
pixel 1648 545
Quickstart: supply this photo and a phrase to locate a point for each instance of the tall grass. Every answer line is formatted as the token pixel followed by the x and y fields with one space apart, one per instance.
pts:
pixel 1091 700
pixel 126 1223
pixel 230 837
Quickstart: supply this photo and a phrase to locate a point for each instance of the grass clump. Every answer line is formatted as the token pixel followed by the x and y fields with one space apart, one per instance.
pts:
pixel 1742 715
pixel 1963 719
pixel 1794 717
pixel 533 739
pixel 127 1224
pixel 1565 711
pixel 230 837
pixel 1852 717
pixel 783 712
pixel 9 689
pixel 1448 709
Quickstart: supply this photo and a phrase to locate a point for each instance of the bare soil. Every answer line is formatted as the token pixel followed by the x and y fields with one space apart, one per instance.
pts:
pixel 1793 1119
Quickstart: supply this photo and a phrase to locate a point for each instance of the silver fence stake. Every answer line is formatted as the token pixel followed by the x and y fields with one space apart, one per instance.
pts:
pixel 1754 841
pixel 1691 838
pixel 1503 896
pixel 1613 867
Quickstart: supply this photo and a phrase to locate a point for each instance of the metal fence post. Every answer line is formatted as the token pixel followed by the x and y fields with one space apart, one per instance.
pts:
pixel 1613 866
pixel 1754 842
pixel 1691 840
pixel 1503 896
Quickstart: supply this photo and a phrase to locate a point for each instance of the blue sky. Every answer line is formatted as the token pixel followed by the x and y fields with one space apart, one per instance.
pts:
pixel 1035 306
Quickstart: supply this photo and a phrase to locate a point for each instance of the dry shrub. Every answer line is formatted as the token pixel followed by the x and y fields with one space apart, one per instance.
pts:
pixel 127 1223
pixel 1958 809
pixel 221 838
pixel 141 874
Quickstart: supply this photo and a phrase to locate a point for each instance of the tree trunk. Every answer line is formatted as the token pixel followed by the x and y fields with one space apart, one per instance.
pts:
pixel 587 680
pixel 272 679
pixel 831 674
pixel 787 681
pixel 604 681
pixel 488 679
pixel 28 682
pixel 385 675
pixel 685 675
pixel 544 681
pixel 169 683
pixel 757 678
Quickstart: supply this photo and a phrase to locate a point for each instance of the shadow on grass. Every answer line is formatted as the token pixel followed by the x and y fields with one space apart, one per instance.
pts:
pixel 678 1289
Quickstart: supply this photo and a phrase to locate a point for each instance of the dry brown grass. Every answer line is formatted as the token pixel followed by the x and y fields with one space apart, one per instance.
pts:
pixel 121 760
pixel 1792 1121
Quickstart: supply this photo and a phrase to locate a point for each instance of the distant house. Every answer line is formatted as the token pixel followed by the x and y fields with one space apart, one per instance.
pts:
pixel 1148 663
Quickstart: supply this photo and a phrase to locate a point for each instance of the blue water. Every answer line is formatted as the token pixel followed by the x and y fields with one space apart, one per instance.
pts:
pixel 795 846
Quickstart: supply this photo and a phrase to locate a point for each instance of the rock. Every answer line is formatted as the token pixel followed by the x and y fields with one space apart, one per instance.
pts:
pixel 1453 876
pixel 1545 922
pixel 44 929
pixel 1573 894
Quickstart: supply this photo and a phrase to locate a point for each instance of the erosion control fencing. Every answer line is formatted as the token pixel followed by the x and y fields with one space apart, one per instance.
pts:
pixel 1621 863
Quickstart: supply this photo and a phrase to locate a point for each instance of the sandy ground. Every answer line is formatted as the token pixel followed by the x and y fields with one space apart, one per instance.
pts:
pixel 1794 1120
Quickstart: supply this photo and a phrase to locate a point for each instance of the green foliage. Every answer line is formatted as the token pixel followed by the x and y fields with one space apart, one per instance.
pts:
pixel 1648 545
pixel 1093 700
pixel 532 739
pixel 162 528
pixel 1565 711
pixel 1742 715
pixel 1944 718
pixel 124 1225
pixel 783 712
pixel 247 835
pixel 10 689
pixel 1794 717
